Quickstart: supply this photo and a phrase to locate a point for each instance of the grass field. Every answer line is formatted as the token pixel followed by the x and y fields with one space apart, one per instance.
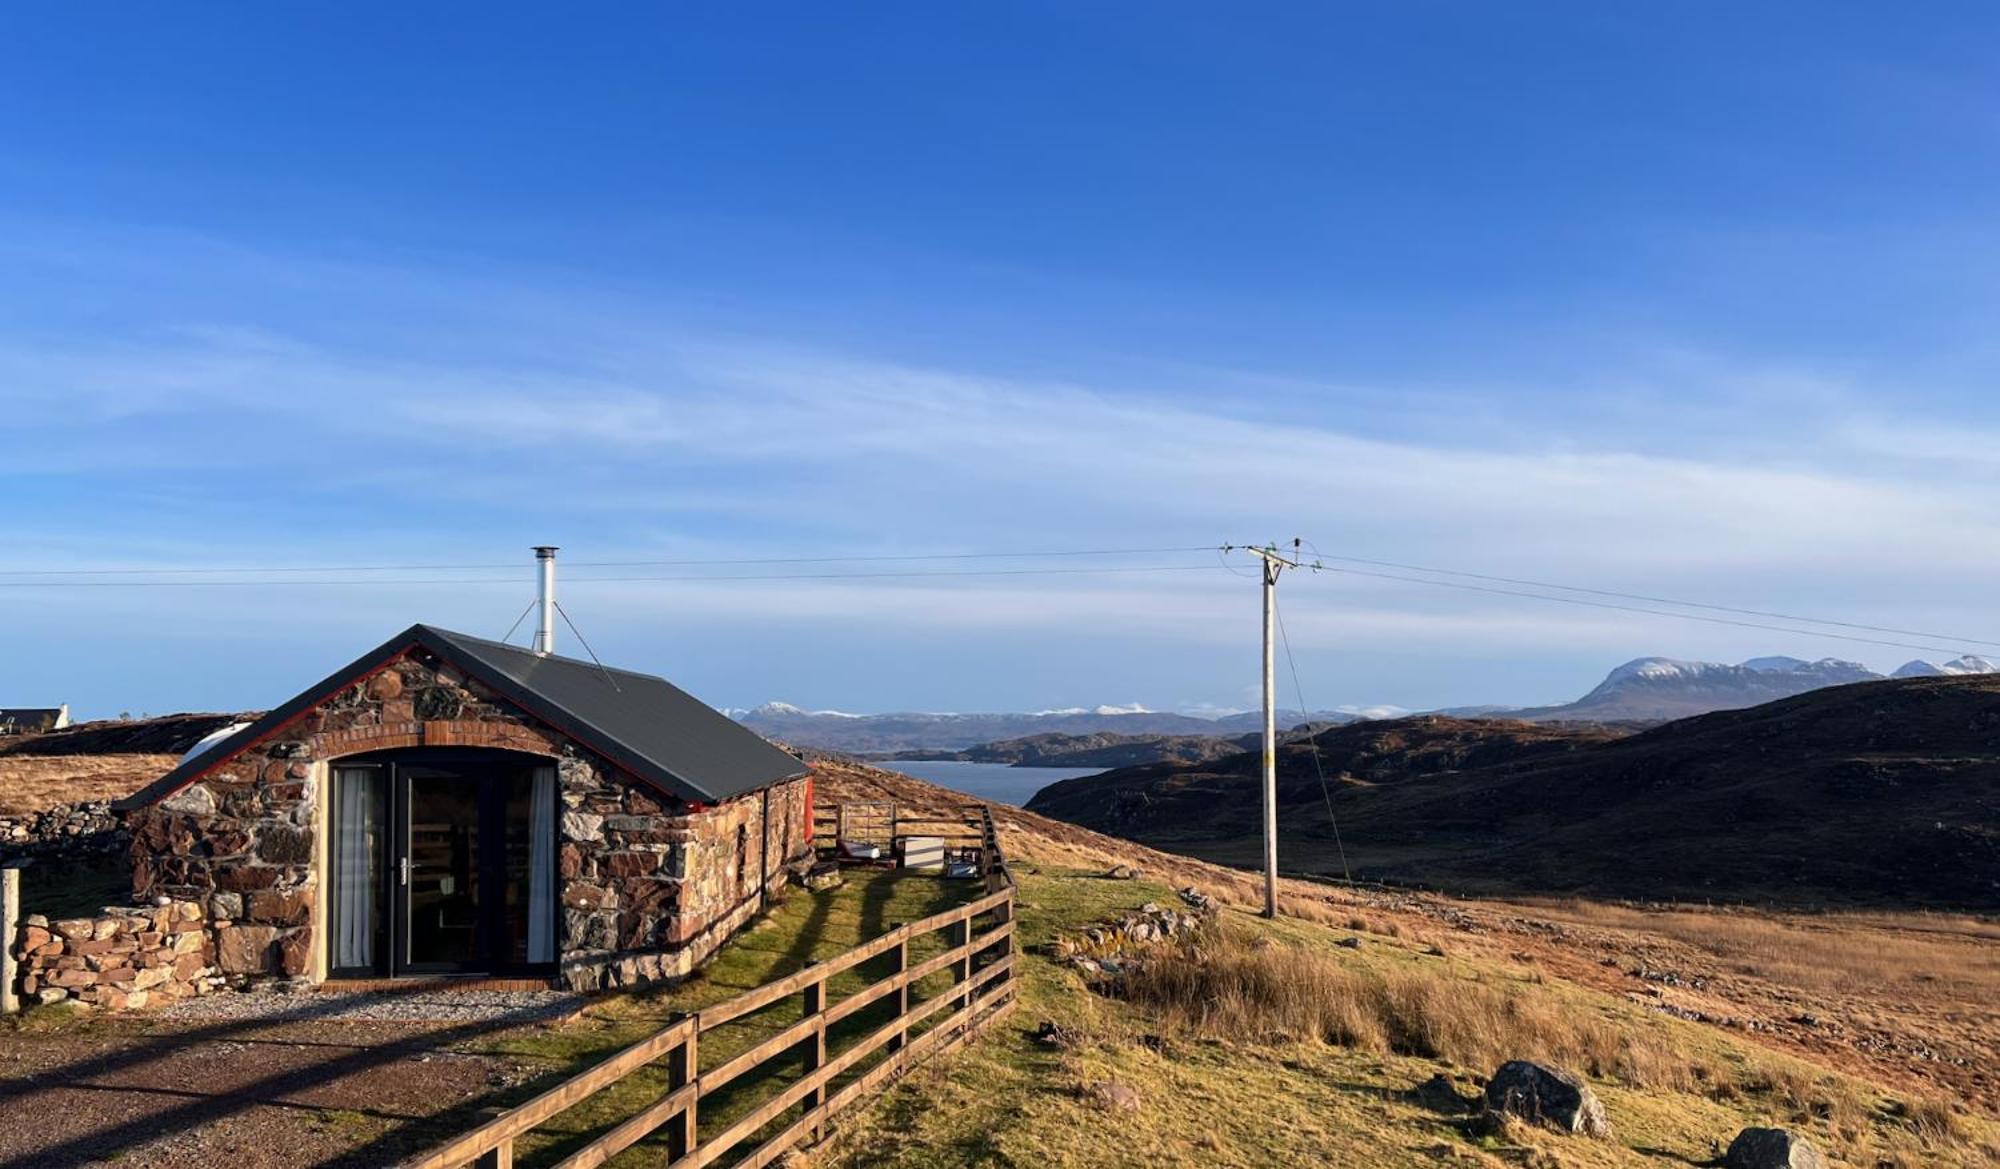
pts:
pixel 1252 1086
pixel 31 783
pixel 1271 1043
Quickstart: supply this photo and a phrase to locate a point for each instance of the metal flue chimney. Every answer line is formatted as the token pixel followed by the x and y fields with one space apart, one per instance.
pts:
pixel 545 632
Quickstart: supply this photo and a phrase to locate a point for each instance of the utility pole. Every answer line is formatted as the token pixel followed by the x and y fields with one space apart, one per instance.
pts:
pixel 1273 565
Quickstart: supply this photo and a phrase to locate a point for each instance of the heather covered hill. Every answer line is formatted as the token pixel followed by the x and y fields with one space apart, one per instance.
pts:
pixel 1876 793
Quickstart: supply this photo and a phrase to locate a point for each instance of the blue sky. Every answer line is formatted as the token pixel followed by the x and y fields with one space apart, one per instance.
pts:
pixel 1692 301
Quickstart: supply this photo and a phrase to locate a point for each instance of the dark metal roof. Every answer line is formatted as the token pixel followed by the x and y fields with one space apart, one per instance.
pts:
pixel 643 724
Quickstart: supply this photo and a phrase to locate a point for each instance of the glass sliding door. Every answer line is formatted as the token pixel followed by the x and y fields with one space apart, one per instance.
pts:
pixel 442 869
pixel 442 862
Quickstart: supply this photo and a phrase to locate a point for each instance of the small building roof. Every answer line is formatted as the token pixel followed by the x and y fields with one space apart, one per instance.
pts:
pixel 643 724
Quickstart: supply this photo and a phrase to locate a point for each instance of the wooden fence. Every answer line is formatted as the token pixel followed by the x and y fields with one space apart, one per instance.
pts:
pixel 982 991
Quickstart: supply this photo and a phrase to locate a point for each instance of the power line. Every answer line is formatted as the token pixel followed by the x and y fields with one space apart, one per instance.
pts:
pixel 1312 739
pixel 1446 584
pixel 574 580
pixel 1543 584
pixel 685 563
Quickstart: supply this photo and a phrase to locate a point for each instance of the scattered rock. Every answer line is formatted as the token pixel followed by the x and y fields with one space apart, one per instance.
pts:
pixel 1351 943
pixel 1110 946
pixel 1197 900
pixel 1112 1096
pixel 1771 1148
pixel 1547 1096
pixel 1054 1034
pixel 1121 873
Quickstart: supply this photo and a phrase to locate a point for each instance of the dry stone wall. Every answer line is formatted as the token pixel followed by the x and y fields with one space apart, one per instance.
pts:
pixel 80 829
pixel 648 886
pixel 124 958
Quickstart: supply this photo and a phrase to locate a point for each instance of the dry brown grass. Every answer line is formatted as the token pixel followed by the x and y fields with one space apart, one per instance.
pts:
pixel 1917 1016
pixel 1853 953
pixel 1228 985
pixel 31 783
pixel 1223 985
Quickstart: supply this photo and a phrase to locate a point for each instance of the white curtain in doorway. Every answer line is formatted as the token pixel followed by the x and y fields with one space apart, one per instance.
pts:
pixel 356 794
pixel 542 867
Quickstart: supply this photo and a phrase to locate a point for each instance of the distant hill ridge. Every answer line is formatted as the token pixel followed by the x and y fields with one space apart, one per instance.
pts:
pixel 1643 690
pixel 946 733
pixel 1871 793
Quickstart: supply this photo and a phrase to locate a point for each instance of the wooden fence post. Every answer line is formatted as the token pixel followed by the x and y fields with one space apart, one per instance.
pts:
pixel 899 964
pixel 10 918
pixel 683 1067
pixel 961 970
pixel 815 1007
pixel 501 1157
pixel 1003 913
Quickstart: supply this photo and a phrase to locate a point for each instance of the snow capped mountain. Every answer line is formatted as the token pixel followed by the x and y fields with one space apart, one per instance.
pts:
pixel 1777 665
pixel 1661 688
pixel 1654 669
pixel 782 709
pixel 1370 713
pixel 1133 708
pixel 1967 664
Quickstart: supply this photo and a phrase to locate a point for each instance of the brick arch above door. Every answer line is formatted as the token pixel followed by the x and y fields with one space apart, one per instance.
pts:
pixel 507 736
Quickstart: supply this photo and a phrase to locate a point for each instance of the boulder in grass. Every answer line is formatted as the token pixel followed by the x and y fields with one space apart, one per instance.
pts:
pixel 1771 1148
pixel 1112 1096
pixel 1546 1096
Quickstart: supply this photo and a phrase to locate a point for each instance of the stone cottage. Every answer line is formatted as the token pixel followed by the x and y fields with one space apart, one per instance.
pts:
pixel 448 805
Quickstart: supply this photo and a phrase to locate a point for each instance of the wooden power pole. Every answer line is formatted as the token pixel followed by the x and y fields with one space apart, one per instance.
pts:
pixel 1273 565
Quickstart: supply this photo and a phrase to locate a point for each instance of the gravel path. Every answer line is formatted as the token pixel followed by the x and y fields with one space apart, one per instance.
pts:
pixel 428 1006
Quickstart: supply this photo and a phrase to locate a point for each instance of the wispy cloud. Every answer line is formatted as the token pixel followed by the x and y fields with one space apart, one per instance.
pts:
pixel 206 440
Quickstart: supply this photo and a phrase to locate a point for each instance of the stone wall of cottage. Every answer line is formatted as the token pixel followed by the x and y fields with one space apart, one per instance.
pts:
pixel 650 890
pixel 648 886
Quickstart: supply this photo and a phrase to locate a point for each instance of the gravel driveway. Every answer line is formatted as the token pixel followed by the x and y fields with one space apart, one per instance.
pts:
pixel 261 1081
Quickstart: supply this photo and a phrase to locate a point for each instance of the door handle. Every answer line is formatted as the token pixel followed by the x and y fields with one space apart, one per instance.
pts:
pixel 404 865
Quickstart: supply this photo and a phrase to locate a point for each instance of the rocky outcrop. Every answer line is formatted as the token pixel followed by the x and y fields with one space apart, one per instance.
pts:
pixel 1109 948
pixel 1546 1096
pixel 125 958
pixel 1771 1148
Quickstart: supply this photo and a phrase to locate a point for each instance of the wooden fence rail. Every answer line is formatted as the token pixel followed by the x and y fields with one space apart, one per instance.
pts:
pixel 982 991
